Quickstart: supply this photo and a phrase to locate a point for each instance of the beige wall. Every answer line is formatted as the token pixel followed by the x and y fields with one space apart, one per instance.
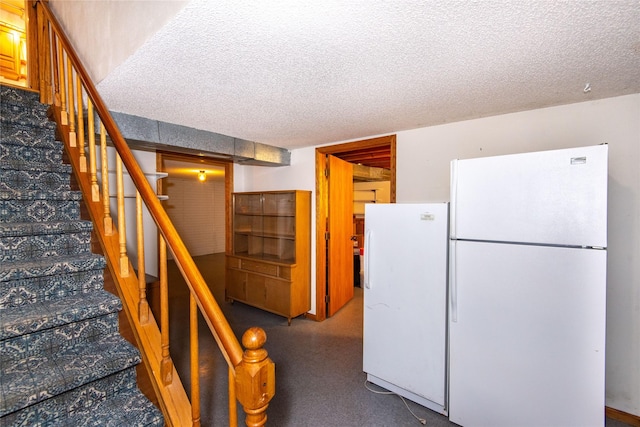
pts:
pixel 197 211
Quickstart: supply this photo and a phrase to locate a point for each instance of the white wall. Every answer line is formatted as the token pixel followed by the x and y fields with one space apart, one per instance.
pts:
pixel 128 24
pixel 423 157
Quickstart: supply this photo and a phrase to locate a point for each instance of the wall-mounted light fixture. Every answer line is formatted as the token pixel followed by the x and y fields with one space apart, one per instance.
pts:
pixel 202 176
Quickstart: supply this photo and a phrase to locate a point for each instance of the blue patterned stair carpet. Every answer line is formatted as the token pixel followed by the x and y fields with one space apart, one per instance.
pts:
pixel 62 358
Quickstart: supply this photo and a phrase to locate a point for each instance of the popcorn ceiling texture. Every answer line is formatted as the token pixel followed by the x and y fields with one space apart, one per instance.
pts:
pixel 294 74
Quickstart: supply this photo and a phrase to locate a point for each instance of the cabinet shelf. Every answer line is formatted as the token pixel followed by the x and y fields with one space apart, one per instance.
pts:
pixel 269 266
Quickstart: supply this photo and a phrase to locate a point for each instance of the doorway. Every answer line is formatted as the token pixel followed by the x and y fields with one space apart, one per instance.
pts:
pixel 368 156
pixel 18 57
pixel 199 191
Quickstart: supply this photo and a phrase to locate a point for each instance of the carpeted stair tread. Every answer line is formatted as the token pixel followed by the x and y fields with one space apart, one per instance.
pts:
pixel 40 195
pixel 35 116
pixel 15 96
pixel 27 166
pixel 12 155
pixel 130 408
pixel 40 315
pixel 14 293
pixel 17 180
pixel 60 338
pixel 49 267
pixel 113 401
pixel 15 229
pixel 36 378
pixel 45 246
pixel 29 136
pixel 39 210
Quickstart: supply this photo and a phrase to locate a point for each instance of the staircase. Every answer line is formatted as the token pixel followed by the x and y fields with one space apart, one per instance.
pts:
pixel 62 358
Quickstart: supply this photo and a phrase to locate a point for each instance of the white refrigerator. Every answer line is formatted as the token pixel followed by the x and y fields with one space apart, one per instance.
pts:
pixel 527 293
pixel 405 300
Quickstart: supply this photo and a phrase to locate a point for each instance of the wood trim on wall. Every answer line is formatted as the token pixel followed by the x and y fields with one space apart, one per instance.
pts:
pixel 322 207
pixel 625 417
pixel 33 73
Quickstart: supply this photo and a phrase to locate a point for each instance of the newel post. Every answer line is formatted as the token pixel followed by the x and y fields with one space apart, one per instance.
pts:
pixel 255 378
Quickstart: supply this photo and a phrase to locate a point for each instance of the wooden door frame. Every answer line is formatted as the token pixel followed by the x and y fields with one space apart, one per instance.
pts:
pixel 322 201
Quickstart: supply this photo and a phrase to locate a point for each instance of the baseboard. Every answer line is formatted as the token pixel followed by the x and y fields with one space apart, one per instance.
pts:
pixel 311 316
pixel 632 420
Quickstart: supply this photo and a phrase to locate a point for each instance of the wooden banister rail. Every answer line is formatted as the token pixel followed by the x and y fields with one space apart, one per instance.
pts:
pixel 251 372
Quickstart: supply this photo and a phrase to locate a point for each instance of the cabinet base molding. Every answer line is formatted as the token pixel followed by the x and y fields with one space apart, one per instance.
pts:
pixel 632 420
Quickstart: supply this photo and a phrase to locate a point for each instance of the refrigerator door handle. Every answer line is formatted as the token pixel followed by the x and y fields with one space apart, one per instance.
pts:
pixel 453 284
pixel 367 259
pixel 453 198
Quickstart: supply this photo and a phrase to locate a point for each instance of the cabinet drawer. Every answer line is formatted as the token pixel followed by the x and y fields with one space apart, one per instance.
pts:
pixel 284 272
pixel 233 262
pixel 260 267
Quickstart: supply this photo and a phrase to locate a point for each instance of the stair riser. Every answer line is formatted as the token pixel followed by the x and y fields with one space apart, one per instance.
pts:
pixel 14 96
pixel 15 293
pixel 60 339
pixel 28 136
pixel 15 180
pixel 10 152
pixel 37 268
pixel 31 247
pixel 56 410
pixel 39 210
pixel 35 116
pixel 32 318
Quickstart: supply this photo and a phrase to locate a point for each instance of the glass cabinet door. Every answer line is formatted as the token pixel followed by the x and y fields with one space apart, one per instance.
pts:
pixel 264 226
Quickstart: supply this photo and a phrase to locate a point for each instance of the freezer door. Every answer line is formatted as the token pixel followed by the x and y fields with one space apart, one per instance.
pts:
pixel 405 301
pixel 527 340
pixel 550 197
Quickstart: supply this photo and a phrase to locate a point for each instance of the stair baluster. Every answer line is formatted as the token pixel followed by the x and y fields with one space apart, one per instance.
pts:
pixel 254 392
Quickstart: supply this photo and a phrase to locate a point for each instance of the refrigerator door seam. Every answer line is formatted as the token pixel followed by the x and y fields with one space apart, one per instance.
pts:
pixel 367 259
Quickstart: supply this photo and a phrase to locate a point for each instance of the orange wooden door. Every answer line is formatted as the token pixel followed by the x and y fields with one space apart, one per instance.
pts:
pixel 340 228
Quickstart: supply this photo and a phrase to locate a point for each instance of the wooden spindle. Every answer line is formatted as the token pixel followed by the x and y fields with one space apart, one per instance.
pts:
pixel 122 222
pixel 62 90
pixel 104 164
pixel 166 365
pixel 71 104
pixel 233 407
pixel 95 190
pixel 195 365
pixel 55 69
pixel 143 304
pixel 255 378
pixel 80 132
pixel 44 57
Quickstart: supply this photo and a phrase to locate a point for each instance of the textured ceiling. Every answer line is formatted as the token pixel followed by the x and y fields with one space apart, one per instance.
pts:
pixel 301 73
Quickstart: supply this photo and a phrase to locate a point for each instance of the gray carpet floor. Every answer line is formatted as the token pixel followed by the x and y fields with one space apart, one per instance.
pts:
pixel 319 377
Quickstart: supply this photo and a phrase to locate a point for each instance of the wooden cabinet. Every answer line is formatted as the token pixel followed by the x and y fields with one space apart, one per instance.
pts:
pixel 270 262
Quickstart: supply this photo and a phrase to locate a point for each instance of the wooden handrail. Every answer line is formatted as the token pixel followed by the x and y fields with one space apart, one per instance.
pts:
pixel 251 372
pixel 195 281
